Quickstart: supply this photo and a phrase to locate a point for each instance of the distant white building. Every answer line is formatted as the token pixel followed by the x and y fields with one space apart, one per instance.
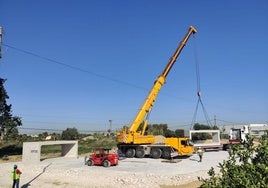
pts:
pixel 254 129
pixel 258 129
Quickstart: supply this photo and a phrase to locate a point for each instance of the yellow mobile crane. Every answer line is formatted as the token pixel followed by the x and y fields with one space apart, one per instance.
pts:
pixel 134 143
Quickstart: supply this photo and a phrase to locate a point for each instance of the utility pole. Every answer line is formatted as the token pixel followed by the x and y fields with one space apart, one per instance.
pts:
pixel 215 121
pixel 1 125
pixel 110 121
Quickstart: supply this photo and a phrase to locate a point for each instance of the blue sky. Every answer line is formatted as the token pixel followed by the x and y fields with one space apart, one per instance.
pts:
pixel 83 63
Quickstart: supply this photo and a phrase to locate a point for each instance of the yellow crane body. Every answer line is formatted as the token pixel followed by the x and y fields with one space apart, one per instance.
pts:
pixel 133 141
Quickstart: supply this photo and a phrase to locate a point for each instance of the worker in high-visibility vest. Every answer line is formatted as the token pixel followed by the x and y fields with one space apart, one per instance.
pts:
pixel 15 175
pixel 200 152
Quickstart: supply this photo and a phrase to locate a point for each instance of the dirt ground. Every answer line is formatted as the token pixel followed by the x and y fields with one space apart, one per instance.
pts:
pixel 194 184
pixel 143 173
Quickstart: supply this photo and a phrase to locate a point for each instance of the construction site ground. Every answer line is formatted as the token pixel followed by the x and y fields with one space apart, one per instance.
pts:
pixel 131 172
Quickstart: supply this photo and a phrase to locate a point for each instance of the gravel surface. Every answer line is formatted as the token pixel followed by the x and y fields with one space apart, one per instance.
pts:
pixel 72 173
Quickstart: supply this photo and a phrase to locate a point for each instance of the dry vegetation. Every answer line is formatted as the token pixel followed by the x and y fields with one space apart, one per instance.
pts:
pixel 12 158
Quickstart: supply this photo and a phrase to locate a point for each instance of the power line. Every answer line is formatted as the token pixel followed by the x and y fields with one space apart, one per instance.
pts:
pixel 109 78
pixel 83 70
pixel 58 130
pixel 230 122
pixel 72 67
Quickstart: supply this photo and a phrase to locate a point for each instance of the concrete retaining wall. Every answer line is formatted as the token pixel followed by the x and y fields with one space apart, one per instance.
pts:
pixel 31 151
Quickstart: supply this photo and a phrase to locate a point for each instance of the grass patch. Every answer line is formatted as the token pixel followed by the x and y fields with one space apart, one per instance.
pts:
pixel 46 149
pixel 50 151
pixel 194 184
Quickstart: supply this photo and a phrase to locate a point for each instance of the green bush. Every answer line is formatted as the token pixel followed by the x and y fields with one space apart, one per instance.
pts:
pixel 10 149
pixel 246 167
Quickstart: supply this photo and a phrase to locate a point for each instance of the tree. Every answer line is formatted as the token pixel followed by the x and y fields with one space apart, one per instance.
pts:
pixel 169 133
pixel 55 136
pixel 246 167
pixel 8 122
pixel 70 134
pixel 156 129
pixel 179 132
pixel 44 135
pixel 198 126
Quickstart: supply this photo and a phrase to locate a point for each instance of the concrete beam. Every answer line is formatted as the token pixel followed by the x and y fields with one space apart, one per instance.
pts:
pixel 214 142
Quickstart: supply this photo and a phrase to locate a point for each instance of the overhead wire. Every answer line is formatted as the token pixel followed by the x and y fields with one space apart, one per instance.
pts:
pixel 72 67
pixel 119 81
pixel 59 130
pixel 82 70
pixel 123 82
pixel 197 72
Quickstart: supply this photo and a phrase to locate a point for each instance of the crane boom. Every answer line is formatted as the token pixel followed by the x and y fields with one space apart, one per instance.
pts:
pixel 173 59
pixel 128 136
pixel 149 101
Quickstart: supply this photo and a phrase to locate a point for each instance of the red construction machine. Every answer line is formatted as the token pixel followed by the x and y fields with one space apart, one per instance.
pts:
pixel 102 157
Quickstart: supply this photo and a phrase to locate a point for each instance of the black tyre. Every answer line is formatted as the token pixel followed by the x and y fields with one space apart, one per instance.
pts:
pixel 106 163
pixel 140 153
pixel 166 154
pixel 226 147
pixel 130 153
pixel 156 153
pixel 90 162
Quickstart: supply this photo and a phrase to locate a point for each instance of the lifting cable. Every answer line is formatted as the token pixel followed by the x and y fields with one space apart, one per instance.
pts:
pixel 199 100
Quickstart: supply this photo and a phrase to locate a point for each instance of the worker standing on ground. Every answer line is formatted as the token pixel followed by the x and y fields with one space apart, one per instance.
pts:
pixel 16 176
pixel 200 152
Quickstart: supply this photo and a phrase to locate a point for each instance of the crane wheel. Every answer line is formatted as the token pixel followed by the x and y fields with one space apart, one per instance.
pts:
pixel 156 153
pixel 140 153
pixel 166 154
pixel 130 153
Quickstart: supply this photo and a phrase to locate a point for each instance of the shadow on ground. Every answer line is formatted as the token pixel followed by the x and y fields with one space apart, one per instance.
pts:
pixel 26 185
